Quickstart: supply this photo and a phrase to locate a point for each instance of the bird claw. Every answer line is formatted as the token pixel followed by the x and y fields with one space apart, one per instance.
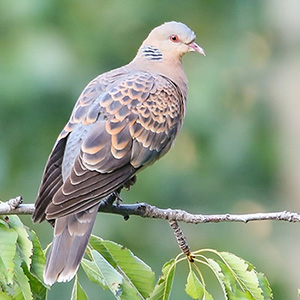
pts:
pixel 114 196
pixel 128 184
pixel 118 199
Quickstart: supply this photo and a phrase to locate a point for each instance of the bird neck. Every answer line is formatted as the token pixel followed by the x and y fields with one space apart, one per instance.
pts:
pixel 150 59
pixel 150 53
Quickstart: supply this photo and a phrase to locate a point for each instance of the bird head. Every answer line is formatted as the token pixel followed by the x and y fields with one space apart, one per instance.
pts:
pixel 170 40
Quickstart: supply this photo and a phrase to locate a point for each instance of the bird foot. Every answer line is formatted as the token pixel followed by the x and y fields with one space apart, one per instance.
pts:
pixel 128 184
pixel 118 198
pixel 114 196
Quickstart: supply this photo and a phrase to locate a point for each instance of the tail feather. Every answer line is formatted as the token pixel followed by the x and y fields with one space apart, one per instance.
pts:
pixel 71 236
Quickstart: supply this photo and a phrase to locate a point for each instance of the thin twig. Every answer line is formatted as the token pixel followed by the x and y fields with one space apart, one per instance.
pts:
pixel 15 206
pixel 181 240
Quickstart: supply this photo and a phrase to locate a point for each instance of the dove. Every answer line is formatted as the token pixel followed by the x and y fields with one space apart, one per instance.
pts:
pixel 123 121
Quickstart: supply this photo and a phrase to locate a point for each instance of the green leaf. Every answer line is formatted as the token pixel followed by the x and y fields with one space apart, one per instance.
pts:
pixel 22 280
pixel 24 245
pixel 224 283
pixel 244 273
pixel 226 279
pixel 136 273
pixel 265 286
pixel 194 287
pixel 93 272
pixel 98 244
pixel 233 289
pixel 130 292
pixel 8 238
pixel 77 292
pixel 38 289
pixel 38 259
pixel 208 296
pixel 26 259
pixel 112 278
pixel 163 287
pixel 119 285
pixel 5 296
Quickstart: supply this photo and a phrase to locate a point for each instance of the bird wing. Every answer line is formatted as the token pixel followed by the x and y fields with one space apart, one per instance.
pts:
pixel 123 121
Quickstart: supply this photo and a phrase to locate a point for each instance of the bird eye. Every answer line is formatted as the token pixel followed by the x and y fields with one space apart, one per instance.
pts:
pixel 174 38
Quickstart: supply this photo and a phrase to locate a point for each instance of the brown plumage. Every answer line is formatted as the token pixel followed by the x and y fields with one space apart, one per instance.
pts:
pixel 123 121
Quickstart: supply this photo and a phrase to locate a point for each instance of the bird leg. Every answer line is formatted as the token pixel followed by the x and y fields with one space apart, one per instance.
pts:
pixel 109 200
pixel 118 197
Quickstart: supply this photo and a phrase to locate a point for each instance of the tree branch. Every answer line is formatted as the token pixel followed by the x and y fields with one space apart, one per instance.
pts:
pixel 15 206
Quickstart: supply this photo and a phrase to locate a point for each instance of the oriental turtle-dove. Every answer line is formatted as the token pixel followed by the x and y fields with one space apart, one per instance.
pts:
pixel 123 121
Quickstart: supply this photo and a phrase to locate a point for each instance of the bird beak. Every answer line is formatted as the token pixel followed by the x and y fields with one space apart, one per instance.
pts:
pixel 194 47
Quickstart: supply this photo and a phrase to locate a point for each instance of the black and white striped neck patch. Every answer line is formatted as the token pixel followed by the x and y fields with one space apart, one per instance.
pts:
pixel 151 53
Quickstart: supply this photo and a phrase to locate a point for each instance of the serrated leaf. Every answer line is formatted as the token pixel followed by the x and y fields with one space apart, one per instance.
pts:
pixel 138 273
pixel 8 238
pixel 93 273
pixel 233 290
pixel 97 244
pixel 24 245
pixel 38 289
pixel 220 276
pixel 22 280
pixel 126 290
pixel 265 286
pixel 194 287
pixel 245 273
pixel 38 259
pixel 77 292
pixel 163 287
pixel 25 285
pixel 130 292
pixel 139 276
pixel 228 282
pixel 112 278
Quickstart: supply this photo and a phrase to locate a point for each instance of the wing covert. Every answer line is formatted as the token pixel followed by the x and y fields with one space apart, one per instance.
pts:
pixel 127 127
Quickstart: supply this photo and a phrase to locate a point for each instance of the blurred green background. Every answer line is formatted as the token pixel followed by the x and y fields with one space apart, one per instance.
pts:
pixel 239 148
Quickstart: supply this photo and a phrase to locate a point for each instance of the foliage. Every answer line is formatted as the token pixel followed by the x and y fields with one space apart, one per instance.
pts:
pixel 117 269
pixel 21 262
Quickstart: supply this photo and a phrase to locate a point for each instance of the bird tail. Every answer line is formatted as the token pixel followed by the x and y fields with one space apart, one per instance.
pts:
pixel 71 236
